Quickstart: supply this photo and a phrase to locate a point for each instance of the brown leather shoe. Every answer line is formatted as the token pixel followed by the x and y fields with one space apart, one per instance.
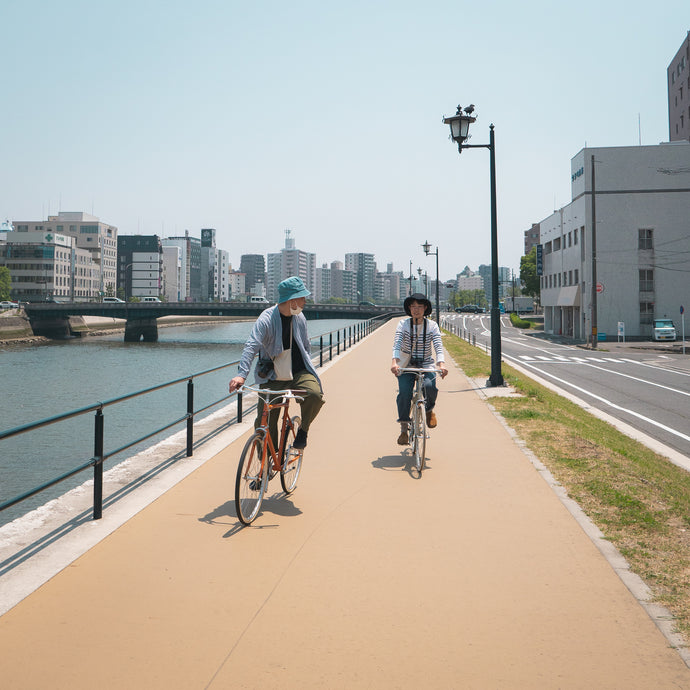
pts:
pixel 404 438
pixel 431 419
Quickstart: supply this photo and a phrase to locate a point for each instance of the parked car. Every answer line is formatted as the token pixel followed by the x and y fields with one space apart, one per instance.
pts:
pixel 663 330
pixel 8 305
pixel 150 299
pixel 469 309
pixel 113 299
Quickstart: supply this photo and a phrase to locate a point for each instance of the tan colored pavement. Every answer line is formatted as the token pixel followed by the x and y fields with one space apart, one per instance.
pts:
pixel 474 576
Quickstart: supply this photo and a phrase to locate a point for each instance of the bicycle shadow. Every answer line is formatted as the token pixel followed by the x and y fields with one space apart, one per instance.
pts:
pixel 276 503
pixel 396 463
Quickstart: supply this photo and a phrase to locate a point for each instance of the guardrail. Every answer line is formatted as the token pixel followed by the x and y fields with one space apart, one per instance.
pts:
pixel 344 338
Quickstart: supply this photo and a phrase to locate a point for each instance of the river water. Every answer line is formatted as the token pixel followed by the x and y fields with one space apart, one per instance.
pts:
pixel 43 380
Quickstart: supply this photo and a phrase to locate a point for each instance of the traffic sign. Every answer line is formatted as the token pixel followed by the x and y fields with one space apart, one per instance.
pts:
pixel 682 309
pixel 600 287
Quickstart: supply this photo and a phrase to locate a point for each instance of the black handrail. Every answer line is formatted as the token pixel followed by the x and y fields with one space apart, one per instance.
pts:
pixel 361 330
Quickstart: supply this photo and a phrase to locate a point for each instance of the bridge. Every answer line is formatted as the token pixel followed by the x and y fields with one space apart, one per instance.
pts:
pixel 51 319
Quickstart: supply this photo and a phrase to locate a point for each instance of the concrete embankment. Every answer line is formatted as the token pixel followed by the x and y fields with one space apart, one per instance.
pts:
pixel 15 326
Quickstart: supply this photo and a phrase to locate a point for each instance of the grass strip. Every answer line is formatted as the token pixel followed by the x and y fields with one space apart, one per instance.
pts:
pixel 638 499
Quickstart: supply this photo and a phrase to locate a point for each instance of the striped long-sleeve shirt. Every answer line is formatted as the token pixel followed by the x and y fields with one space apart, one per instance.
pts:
pixel 410 339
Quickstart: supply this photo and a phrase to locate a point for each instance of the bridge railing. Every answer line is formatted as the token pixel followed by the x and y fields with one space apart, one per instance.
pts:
pixel 330 345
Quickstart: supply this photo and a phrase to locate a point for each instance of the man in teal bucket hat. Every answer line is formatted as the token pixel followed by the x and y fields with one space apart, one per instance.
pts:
pixel 279 337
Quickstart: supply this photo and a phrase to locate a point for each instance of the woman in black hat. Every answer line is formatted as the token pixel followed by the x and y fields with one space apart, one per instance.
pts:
pixel 412 347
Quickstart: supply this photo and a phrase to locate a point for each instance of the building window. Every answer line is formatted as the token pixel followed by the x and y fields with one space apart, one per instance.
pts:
pixel 646 280
pixel 646 312
pixel 645 238
pixel 577 276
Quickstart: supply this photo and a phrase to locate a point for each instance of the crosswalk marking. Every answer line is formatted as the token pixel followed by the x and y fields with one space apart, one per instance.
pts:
pixel 577 360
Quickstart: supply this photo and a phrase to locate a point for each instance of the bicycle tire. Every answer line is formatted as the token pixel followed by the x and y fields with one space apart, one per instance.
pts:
pixel 292 459
pixel 251 481
pixel 419 430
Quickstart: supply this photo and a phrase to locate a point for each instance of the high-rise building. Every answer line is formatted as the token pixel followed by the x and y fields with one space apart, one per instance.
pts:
pixel 342 282
pixel 254 268
pixel 322 284
pixel 191 265
pixel 364 268
pixel 289 262
pixel 678 85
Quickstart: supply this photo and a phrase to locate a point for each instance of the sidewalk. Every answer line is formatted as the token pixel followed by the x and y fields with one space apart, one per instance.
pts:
pixel 474 576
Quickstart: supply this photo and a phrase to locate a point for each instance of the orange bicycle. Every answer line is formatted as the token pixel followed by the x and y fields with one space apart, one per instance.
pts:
pixel 261 461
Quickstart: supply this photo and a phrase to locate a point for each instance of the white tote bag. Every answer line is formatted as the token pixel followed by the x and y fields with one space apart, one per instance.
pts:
pixel 282 363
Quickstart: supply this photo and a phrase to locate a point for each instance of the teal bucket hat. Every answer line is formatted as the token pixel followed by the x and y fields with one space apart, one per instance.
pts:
pixel 291 288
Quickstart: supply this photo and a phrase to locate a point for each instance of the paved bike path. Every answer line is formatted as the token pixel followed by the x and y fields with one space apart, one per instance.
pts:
pixel 474 576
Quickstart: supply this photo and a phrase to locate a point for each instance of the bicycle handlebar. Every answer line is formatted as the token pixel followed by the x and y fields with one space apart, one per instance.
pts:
pixel 265 393
pixel 416 370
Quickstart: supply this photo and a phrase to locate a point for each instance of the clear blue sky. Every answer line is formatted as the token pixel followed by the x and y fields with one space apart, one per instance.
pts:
pixel 322 117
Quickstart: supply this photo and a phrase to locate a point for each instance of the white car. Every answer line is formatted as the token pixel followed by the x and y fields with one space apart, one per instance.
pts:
pixel 8 305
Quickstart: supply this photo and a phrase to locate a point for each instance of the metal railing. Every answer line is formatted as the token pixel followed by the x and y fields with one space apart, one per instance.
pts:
pixel 344 338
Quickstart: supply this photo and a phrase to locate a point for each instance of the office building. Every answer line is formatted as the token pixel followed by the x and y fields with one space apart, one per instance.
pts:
pixel 639 226
pixel 191 264
pixel 99 239
pixel 254 268
pixel 139 266
pixel 46 265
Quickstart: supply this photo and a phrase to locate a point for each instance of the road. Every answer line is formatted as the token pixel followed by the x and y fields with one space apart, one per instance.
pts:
pixel 643 385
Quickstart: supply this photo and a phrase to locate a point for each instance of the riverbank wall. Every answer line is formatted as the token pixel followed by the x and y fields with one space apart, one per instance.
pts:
pixel 16 328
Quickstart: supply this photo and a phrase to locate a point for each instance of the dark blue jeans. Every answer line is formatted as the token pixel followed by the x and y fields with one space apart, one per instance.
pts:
pixel 406 388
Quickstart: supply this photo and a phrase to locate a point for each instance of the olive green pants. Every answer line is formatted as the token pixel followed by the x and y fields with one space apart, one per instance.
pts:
pixel 311 404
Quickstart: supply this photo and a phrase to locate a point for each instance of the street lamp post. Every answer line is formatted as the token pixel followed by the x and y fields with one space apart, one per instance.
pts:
pixel 459 132
pixel 427 250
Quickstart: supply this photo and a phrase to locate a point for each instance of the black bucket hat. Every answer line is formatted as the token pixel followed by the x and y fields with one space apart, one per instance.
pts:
pixel 417 297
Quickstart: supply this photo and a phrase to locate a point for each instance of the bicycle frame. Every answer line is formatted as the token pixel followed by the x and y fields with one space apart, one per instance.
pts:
pixel 417 438
pixel 276 455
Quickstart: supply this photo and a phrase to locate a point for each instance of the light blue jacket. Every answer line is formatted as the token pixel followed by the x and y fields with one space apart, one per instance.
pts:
pixel 266 340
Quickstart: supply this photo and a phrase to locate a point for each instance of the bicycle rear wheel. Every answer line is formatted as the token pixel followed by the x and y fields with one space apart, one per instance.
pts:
pixel 292 460
pixel 419 431
pixel 251 481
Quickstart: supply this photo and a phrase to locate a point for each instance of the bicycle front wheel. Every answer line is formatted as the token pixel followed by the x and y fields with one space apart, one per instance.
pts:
pixel 292 460
pixel 251 481
pixel 419 431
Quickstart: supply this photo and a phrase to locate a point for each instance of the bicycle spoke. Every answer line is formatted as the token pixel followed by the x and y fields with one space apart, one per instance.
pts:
pixel 250 484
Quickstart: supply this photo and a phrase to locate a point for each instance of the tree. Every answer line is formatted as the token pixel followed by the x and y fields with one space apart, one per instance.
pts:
pixel 5 283
pixel 528 274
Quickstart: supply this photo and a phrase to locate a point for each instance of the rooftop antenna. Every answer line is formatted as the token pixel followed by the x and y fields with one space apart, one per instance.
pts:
pixel 639 129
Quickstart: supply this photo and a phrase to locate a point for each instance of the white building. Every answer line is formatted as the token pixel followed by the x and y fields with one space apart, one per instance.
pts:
pixel 222 275
pixel 471 282
pixel 237 285
pixel 92 235
pixel 172 273
pixel 289 262
pixel 639 229
pixel 45 265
